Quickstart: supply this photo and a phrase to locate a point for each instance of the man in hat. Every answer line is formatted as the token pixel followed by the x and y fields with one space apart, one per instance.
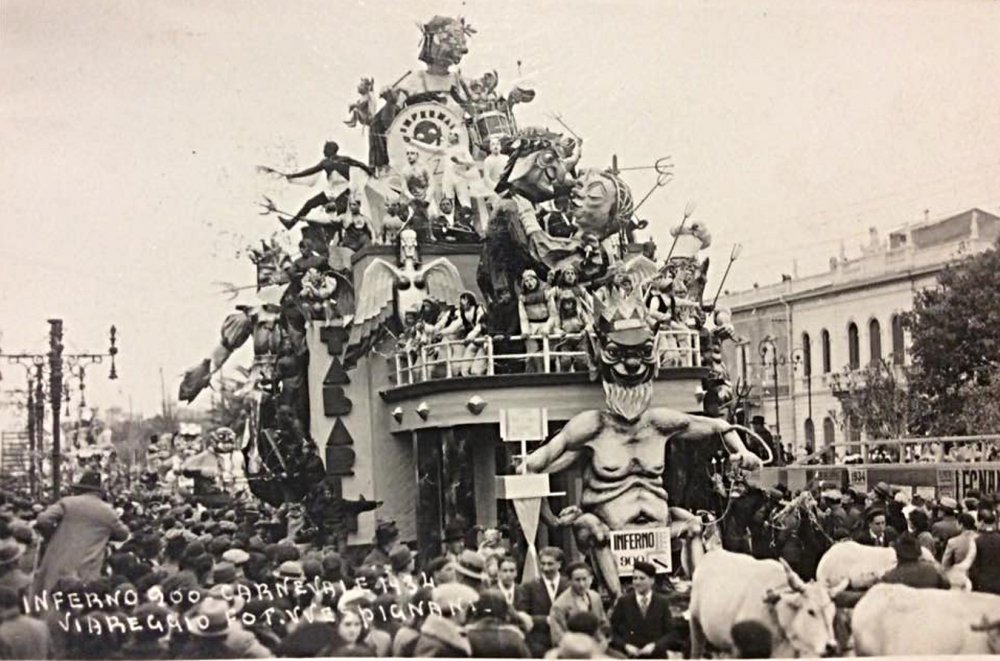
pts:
pixel 469 569
pixel 911 570
pixel 947 526
pixel 11 575
pixel 78 528
pixel 454 541
pixel 386 536
pixel 757 422
pixel 640 619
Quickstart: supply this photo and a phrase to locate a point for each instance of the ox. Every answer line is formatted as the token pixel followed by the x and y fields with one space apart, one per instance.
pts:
pixel 862 566
pixel 731 587
pixel 893 620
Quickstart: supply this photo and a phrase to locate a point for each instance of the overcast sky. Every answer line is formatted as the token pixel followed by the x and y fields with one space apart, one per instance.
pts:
pixel 129 134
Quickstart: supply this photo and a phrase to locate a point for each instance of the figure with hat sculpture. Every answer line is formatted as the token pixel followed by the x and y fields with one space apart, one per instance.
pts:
pixel 629 435
pixel 77 529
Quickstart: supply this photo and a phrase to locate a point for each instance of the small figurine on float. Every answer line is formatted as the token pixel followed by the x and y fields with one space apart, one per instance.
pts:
pixel 415 174
pixel 358 229
pixel 388 290
pixel 318 295
pixel 396 213
pixel 337 170
pixel 534 314
pixel 567 281
pixel 494 164
pixel 567 325
pixel 460 178
pixel 362 110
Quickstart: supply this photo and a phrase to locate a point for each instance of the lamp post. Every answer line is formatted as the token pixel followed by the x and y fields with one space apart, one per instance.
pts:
pixel 767 346
pixel 57 363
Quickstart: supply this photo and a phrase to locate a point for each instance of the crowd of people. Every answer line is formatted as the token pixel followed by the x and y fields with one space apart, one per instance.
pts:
pixel 147 574
pixel 914 453
pixel 961 537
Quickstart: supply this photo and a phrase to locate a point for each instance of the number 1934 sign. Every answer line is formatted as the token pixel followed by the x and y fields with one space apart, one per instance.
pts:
pixel 649 544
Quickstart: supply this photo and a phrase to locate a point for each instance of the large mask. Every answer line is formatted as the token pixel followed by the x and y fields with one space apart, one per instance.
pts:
pixel 445 41
pixel 536 172
pixel 625 356
pixel 601 202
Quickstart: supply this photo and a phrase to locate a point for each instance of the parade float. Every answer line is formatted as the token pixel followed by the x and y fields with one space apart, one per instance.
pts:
pixel 471 336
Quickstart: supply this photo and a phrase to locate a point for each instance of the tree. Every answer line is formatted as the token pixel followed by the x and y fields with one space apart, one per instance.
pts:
pixel 955 328
pixel 981 403
pixel 874 400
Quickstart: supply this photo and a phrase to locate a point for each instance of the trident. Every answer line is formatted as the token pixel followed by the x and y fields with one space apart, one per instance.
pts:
pixel 733 255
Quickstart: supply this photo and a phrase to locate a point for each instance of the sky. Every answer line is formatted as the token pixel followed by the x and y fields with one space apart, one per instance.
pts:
pixel 130 135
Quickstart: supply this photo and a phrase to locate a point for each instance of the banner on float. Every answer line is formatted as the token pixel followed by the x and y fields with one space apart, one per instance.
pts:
pixel 858 478
pixel 957 482
pixel 649 544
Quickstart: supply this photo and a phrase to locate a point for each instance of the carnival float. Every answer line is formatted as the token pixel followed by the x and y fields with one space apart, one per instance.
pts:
pixel 469 269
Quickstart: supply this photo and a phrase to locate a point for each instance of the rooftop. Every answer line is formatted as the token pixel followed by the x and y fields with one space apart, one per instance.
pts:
pixel 916 249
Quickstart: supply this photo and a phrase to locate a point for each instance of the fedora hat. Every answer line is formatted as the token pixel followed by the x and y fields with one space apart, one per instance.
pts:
pixel 216 614
pixel 884 490
pixel 10 552
pixel 471 565
pixel 223 572
pixel 400 558
pixel 290 569
pixel 89 481
pixel 454 533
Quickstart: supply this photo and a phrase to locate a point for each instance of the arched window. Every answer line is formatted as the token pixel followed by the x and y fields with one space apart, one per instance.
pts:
pixel 875 341
pixel 898 350
pixel 810 436
pixel 853 347
pixel 824 337
pixel 806 355
pixel 828 441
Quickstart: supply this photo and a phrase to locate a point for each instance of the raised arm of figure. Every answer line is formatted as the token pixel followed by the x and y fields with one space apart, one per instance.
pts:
pixel 560 451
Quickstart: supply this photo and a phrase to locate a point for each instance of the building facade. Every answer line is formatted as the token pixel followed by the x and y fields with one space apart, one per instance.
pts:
pixel 794 336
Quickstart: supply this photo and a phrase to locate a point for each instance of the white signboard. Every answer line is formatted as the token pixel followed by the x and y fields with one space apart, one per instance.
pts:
pixel 858 478
pixel 649 544
pixel 946 483
pixel 524 425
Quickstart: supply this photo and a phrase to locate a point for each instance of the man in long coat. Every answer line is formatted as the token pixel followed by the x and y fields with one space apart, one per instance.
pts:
pixel 78 529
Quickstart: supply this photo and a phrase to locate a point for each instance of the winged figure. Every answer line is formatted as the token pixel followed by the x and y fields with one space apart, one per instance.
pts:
pixel 393 289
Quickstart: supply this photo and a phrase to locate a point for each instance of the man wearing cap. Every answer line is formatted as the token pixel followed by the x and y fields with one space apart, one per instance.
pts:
pixel 947 526
pixel 911 570
pixel 78 528
pixel 470 569
pixel 757 422
pixel 640 619
pixel 11 575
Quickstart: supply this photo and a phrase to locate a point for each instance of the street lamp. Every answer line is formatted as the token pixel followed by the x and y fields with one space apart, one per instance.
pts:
pixel 767 346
